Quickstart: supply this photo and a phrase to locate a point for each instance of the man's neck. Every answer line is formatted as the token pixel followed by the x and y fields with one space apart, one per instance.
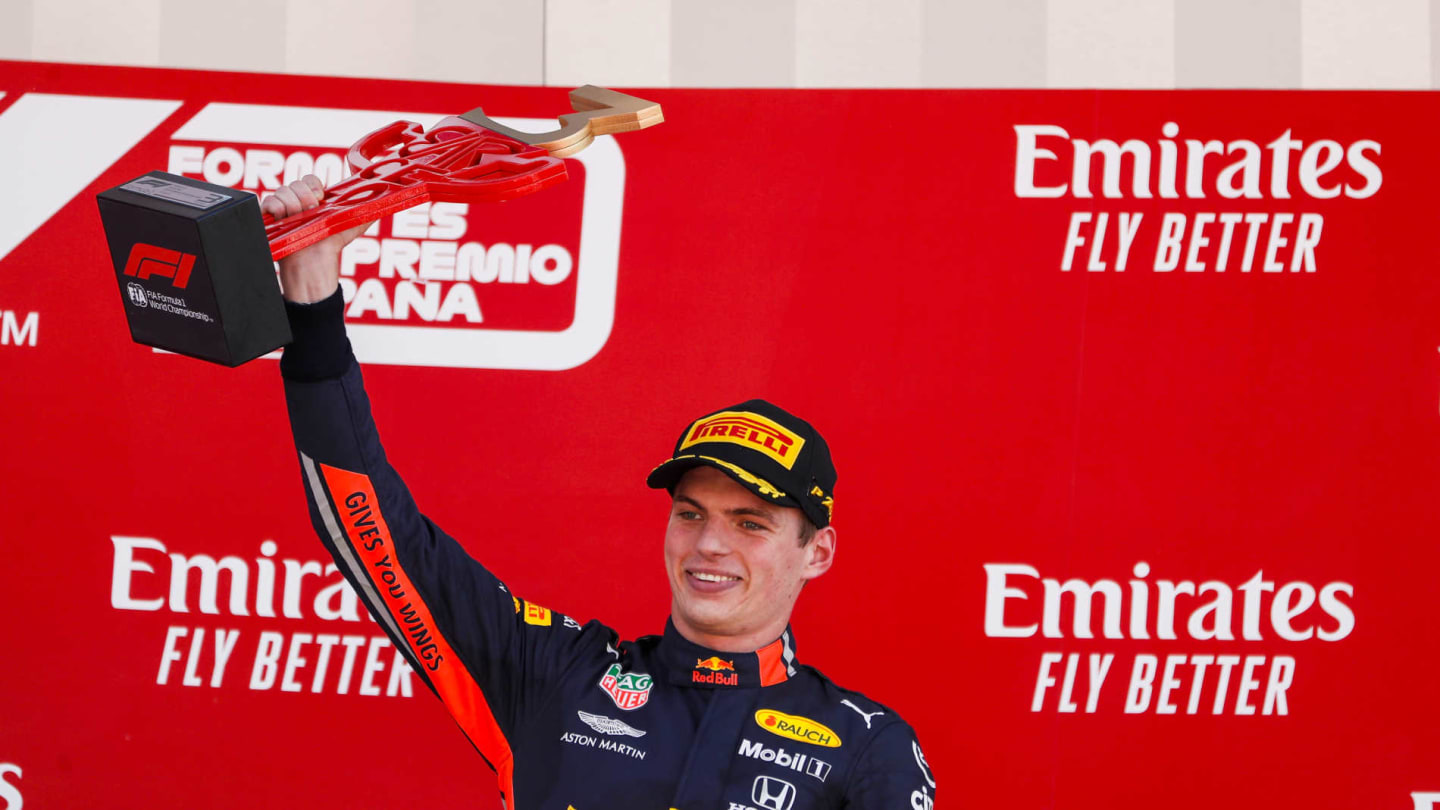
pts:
pixel 741 642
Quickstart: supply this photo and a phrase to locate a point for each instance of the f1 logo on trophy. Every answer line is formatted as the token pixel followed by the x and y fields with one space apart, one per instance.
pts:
pixel 195 261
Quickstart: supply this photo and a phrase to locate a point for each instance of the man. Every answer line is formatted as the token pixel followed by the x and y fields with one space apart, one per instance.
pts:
pixel 716 713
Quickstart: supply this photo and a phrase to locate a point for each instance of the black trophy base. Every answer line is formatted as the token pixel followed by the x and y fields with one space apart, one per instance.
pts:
pixel 194 268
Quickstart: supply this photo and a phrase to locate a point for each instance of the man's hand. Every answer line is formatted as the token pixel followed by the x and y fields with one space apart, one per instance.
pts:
pixel 311 274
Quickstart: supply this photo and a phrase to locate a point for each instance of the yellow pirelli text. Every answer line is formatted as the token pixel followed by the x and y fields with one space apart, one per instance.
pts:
pixel 747 430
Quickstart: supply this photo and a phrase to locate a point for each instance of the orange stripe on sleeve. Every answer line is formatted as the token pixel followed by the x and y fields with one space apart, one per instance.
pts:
pixel 359 512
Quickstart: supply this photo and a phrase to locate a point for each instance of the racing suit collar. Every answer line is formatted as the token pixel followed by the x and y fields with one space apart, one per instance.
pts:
pixel 690 664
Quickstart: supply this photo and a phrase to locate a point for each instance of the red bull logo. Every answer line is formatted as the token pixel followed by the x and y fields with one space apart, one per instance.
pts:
pixel 715 664
pixel 715 678
pixel 716 674
pixel 747 430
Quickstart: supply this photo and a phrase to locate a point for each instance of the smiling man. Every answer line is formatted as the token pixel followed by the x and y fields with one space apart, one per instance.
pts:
pixel 715 713
pixel 732 585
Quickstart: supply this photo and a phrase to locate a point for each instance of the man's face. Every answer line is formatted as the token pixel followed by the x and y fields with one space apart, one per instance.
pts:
pixel 735 562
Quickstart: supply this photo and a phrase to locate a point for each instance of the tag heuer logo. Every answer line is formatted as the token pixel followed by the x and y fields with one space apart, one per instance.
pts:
pixel 629 690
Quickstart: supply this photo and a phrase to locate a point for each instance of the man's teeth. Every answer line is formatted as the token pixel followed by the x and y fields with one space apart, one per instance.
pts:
pixel 713 577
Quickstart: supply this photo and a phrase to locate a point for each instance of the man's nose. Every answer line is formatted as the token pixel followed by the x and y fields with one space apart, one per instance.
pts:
pixel 712 541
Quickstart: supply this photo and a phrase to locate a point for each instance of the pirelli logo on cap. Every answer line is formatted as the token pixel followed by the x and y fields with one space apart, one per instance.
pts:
pixel 747 430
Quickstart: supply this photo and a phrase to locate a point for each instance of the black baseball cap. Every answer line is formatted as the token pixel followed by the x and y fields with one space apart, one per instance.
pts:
pixel 769 451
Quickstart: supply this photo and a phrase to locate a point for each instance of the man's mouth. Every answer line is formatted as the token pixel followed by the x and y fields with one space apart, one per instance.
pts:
pixel 704 577
pixel 711 581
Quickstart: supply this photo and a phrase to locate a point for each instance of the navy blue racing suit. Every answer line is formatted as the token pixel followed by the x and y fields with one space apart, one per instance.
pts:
pixel 567 715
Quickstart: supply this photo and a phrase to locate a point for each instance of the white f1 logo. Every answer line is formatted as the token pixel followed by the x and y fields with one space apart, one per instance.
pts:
pixel 1425 799
pixel 66 142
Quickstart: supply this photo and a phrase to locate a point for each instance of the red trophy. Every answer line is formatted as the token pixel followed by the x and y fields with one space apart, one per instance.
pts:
pixel 195 261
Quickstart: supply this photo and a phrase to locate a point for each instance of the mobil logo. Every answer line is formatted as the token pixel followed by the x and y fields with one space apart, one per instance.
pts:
pixel 802 763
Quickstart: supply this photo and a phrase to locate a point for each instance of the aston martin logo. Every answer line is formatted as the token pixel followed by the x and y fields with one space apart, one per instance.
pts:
pixel 609 725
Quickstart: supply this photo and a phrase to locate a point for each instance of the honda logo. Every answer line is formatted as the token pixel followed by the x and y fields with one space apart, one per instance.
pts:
pixel 772 793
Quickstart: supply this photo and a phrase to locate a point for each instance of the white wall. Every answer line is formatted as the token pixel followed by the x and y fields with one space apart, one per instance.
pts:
pixel 757 43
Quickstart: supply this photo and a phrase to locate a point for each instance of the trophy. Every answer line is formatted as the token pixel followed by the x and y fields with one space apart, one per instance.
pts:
pixel 194 260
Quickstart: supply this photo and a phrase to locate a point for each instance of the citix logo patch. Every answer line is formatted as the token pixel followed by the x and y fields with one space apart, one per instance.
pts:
pixel 527 285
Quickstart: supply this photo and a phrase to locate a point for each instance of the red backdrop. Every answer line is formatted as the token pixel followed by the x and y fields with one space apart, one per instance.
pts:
pixel 1241 464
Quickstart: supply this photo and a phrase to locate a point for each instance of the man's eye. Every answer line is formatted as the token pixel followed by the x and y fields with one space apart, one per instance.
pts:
pixel 688 514
pixel 752 526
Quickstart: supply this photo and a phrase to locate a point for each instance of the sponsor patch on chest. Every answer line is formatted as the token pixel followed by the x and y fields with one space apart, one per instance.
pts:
pixel 604 744
pixel 629 690
pixel 795 727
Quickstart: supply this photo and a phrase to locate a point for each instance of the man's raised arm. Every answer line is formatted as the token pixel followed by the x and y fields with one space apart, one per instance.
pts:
pixel 464 634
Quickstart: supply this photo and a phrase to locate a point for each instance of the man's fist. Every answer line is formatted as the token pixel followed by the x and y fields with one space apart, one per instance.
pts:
pixel 311 274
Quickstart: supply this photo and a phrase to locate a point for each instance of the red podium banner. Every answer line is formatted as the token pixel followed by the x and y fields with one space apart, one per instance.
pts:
pixel 1133 398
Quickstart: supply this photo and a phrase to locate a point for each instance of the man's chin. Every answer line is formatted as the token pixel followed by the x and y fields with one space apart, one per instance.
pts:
pixel 709 614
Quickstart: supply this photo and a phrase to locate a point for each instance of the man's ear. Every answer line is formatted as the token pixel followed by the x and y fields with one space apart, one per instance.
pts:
pixel 820 553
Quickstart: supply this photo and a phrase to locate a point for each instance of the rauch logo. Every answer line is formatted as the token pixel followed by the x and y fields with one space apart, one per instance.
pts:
pixel 793 727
